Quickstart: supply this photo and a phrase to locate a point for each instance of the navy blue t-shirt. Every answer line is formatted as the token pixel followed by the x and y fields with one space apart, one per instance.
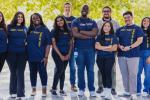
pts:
pixel 146 41
pixel 16 38
pixel 84 24
pixel 62 40
pixel 69 20
pixel 128 35
pixel 3 40
pixel 106 40
pixel 37 41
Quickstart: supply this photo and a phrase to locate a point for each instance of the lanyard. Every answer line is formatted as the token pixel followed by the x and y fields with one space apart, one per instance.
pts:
pixel 40 38
pixel 132 36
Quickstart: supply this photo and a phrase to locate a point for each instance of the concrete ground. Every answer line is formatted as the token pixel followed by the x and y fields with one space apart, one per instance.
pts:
pixel 4 85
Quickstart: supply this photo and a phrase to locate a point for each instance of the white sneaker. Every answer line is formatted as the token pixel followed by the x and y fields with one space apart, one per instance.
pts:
pixel 145 94
pixel 21 98
pixel 108 95
pixel 138 94
pixel 81 93
pixel 92 94
pixel 103 93
pixel 13 95
pixel 126 94
pixel 133 97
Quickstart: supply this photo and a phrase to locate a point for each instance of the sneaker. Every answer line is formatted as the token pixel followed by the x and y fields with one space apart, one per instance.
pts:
pixel 138 94
pixel 99 90
pixel 21 98
pixel 133 97
pixel 53 92
pixel 62 93
pixel 113 92
pixel 13 95
pixel 103 93
pixel 33 93
pixel 92 94
pixel 81 93
pixel 108 95
pixel 44 92
pixel 125 94
pixel 145 94
pixel 74 88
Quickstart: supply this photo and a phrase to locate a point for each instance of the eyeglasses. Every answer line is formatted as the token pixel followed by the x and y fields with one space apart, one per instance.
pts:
pixel 106 11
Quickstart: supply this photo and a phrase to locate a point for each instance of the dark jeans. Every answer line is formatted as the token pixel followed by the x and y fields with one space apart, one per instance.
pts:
pixel 2 60
pixel 17 63
pixel 36 67
pixel 72 69
pixel 105 65
pixel 86 59
pixel 59 74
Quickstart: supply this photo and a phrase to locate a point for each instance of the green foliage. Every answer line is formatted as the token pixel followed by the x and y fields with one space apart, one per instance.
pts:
pixel 51 8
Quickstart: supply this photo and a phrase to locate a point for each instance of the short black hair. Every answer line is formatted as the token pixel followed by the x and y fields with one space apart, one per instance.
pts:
pixel 106 7
pixel 67 3
pixel 128 13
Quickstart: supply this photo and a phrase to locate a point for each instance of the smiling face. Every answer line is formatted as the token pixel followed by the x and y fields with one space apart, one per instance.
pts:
pixel 146 22
pixel 19 19
pixel 67 8
pixel 36 20
pixel 85 11
pixel 107 28
pixel 128 19
pixel 106 13
pixel 60 22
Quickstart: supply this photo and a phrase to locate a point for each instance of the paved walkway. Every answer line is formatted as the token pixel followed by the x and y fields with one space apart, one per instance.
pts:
pixel 4 85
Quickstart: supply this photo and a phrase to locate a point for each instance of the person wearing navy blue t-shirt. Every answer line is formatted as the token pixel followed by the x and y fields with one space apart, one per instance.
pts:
pixel 3 41
pixel 62 47
pixel 69 18
pixel 84 31
pixel 16 56
pixel 38 47
pixel 130 37
pixel 144 56
pixel 106 45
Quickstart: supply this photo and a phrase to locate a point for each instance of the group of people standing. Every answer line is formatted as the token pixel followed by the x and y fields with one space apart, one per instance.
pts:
pixel 77 41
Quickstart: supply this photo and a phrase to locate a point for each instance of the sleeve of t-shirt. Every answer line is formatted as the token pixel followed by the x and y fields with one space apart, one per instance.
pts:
pixel 98 38
pixel 95 25
pixel 115 41
pixel 117 32
pixel 47 37
pixel 139 32
pixel 74 23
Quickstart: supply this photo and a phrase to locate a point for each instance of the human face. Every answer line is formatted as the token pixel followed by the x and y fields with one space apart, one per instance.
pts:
pixel 36 20
pixel 85 11
pixel 128 19
pixel 19 18
pixel 67 8
pixel 146 22
pixel 60 22
pixel 1 17
pixel 106 13
pixel 107 28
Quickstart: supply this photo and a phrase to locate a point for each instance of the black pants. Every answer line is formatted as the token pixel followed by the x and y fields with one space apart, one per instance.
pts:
pixel 2 60
pixel 105 65
pixel 59 74
pixel 16 63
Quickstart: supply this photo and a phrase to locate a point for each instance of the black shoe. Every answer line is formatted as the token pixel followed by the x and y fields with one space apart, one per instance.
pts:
pixel 53 92
pixel 62 93
pixel 99 90
pixel 113 92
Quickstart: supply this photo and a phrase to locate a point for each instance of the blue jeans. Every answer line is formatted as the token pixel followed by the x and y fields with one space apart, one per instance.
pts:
pixel 86 59
pixel 72 69
pixel 16 63
pixel 36 67
pixel 146 67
